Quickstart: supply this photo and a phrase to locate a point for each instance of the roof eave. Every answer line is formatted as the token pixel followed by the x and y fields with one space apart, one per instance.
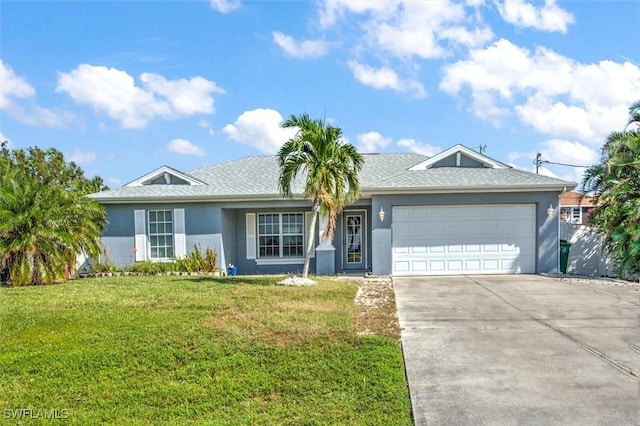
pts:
pixel 191 199
pixel 471 189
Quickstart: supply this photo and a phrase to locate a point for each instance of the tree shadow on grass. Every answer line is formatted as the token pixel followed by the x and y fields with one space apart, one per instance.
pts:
pixel 250 280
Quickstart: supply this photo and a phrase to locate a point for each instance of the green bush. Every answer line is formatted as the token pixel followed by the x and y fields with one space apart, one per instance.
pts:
pixel 103 267
pixel 197 262
pixel 149 268
pixel 193 262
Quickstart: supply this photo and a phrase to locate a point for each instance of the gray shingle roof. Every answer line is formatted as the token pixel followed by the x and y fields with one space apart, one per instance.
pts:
pixel 257 177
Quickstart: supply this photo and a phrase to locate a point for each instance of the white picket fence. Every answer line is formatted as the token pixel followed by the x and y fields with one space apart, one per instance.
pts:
pixel 587 255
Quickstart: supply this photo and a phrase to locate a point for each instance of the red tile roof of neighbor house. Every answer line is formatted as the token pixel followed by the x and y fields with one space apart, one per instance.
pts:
pixel 576 199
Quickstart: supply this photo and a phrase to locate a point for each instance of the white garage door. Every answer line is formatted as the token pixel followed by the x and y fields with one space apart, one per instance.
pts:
pixel 465 239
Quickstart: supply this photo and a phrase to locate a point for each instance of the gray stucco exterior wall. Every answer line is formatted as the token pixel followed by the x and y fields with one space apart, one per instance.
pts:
pixel 250 266
pixel 201 221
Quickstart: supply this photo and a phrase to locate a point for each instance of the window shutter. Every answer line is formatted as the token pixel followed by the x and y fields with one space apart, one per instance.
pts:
pixel 251 235
pixel 139 217
pixel 180 249
pixel 307 222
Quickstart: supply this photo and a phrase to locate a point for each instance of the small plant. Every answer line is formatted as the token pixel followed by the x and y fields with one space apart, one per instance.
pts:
pixel 104 267
pixel 196 262
pixel 148 267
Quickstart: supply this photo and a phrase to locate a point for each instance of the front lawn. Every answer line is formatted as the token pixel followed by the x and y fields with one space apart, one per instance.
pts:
pixel 196 350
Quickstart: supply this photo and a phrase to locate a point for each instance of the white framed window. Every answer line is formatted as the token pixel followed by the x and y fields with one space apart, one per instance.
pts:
pixel 571 214
pixel 161 244
pixel 280 235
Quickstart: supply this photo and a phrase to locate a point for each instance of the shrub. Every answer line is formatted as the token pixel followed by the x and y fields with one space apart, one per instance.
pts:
pixel 149 267
pixel 196 262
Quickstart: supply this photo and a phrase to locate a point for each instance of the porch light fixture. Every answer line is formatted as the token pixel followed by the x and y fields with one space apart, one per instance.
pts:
pixel 550 211
pixel 381 215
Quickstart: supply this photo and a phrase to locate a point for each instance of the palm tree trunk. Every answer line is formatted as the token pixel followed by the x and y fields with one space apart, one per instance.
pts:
pixel 312 237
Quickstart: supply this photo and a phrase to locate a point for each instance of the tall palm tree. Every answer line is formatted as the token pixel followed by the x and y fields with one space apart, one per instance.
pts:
pixel 330 166
pixel 615 182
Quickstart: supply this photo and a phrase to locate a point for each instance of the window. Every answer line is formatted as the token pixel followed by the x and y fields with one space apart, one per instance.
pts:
pixel 571 214
pixel 161 234
pixel 281 235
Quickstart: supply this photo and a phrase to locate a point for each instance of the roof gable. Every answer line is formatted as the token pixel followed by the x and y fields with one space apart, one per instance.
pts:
pixel 165 175
pixel 459 156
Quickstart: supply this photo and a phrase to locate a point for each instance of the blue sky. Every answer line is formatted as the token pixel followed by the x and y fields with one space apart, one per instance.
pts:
pixel 125 87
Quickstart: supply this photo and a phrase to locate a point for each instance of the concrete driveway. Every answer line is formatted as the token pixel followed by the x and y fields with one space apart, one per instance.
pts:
pixel 520 349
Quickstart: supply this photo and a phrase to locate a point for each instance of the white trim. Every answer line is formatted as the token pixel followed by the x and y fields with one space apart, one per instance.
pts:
pixel 280 234
pixel 460 149
pixel 173 235
pixel 251 236
pixel 280 261
pixel 365 236
pixel 179 237
pixel 140 241
pixel 307 221
pixel 164 172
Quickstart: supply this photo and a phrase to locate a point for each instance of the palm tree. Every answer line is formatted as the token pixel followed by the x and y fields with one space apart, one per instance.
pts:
pixel 43 227
pixel 330 166
pixel 615 182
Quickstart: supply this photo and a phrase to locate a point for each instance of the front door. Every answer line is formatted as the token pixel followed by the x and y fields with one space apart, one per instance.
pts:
pixel 353 240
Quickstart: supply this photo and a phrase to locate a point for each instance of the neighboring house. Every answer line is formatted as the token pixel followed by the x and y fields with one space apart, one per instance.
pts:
pixel 576 208
pixel 458 212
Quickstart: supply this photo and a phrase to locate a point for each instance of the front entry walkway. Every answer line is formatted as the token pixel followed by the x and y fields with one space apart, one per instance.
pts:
pixel 520 349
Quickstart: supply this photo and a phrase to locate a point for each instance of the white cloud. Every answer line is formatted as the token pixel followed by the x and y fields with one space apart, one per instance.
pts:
pixel 13 86
pixel 225 6
pixel 184 147
pixel 552 93
pixel 413 145
pixel 80 157
pixel 408 29
pixel 17 98
pixel 385 78
pixel 332 10
pixel 549 17
pixel 371 142
pixel 34 115
pixel 566 152
pixel 115 92
pixel 260 129
pixel 307 49
pixel 186 97
pixel 472 38
pixel 415 29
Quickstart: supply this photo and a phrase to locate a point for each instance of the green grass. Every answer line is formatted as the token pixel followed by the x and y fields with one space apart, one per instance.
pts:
pixel 196 350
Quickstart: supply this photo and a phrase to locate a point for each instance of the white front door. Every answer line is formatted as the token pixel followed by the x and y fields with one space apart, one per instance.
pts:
pixel 464 239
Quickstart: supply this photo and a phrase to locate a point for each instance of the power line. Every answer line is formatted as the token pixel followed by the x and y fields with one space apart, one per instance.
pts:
pixel 539 162
pixel 565 164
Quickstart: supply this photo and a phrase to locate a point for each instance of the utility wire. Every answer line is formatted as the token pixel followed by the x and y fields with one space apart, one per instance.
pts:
pixel 539 161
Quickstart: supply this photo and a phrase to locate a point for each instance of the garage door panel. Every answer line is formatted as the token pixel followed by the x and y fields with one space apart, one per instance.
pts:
pixel 437 240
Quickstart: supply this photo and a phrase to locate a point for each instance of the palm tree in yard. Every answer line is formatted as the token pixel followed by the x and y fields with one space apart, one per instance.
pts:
pixel 615 182
pixel 44 223
pixel 330 167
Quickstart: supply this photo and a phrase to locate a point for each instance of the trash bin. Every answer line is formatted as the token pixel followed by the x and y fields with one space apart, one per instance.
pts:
pixel 564 255
pixel 233 271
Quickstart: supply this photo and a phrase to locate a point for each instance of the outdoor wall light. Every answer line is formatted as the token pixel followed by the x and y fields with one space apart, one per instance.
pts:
pixel 381 215
pixel 550 211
